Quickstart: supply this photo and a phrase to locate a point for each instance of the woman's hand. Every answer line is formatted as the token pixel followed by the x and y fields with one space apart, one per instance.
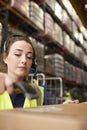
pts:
pixel 9 84
pixel 5 83
pixel 71 102
pixel 2 82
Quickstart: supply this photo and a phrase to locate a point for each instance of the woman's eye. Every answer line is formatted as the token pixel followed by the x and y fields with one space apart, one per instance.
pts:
pixel 18 55
pixel 29 57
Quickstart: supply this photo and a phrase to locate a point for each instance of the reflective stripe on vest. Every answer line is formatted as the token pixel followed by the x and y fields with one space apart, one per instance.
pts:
pixel 5 102
pixel 42 95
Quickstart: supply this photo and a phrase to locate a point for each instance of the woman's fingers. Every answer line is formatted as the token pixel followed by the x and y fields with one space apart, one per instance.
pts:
pixel 2 83
pixel 71 102
pixel 9 85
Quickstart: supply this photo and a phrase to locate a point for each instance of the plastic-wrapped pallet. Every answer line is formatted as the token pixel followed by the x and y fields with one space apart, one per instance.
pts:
pixel 49 24
pixel 36 15
pixel 79 52
pixel 58 33
pixel 75 30
pixel 81 38
pixel 84 77
pixel 78 75
pixel 73 73
pixel 54 65
pixel 67 3
pixel 72 46
pixel 58 10
pixel 84 32
pixel 66 20
pixel 69 71
pixel 51 4
pixel 85 59
pixel 66 41
pixel 39 51
pixel 23 8
pixel 85 44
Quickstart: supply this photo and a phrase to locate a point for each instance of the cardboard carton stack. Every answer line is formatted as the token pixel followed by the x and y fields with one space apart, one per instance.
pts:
pixel 55 65
pixel 51 117
pixel 58 10
pixel 51 4
pixel 58 33
pixel 36 15
pixel 39 51
pixel 49 24
pixel 66 20
pixel 69 71
pixel 22 6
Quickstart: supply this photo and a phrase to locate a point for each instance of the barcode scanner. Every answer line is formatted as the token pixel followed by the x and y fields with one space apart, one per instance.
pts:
pixel 27 90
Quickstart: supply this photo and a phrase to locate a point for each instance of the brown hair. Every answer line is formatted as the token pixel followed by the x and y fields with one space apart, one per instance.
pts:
pixel 13 38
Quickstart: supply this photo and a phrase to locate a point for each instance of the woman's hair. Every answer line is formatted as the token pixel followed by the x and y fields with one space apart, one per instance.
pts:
pixel 10 40
pixel 13 38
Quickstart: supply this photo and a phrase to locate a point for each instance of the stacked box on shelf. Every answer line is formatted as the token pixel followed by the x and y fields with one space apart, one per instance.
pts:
pixel 85 59
pixel 39 52
pixel 58 33
pixel 12 29
pixel 70 9
pixel 22 6
pixel 58 10
pixel 54 65
pixel 66 41
pixel 85 44
pixel 81 38
pixel 79 52
pixel 67 3
pixel 72 12
pixel 84 77
pixel 74 74
pixel 36 15
pixel 78 21
pixel 78 75
pixel 69 71
pixel 67 20
pixel 51 4
pixel 49 24
pixel 75 30
pixel 84 32
pixel 72 46
pixel 76 51
pixel 66 70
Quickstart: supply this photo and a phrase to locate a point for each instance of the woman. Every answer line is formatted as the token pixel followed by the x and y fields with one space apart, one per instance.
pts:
pixel 18 55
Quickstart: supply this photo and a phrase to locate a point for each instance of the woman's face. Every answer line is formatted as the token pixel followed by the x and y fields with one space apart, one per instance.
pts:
pixel 19 59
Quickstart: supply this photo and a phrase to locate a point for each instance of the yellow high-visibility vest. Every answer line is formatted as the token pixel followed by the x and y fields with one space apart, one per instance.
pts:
pixel 41 91
pixel 68 96
pixel 6 103
pixel 42 94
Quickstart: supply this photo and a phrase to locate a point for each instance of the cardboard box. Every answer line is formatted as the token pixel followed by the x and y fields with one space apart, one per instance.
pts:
pixel 51 117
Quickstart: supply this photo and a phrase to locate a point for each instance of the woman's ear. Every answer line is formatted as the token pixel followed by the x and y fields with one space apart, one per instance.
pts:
pixel 4 57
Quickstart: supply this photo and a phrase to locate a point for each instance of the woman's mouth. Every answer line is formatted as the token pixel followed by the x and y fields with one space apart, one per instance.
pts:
pixel 22 68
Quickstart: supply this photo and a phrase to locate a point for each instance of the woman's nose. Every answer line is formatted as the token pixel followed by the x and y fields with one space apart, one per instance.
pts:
pixel 23 59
